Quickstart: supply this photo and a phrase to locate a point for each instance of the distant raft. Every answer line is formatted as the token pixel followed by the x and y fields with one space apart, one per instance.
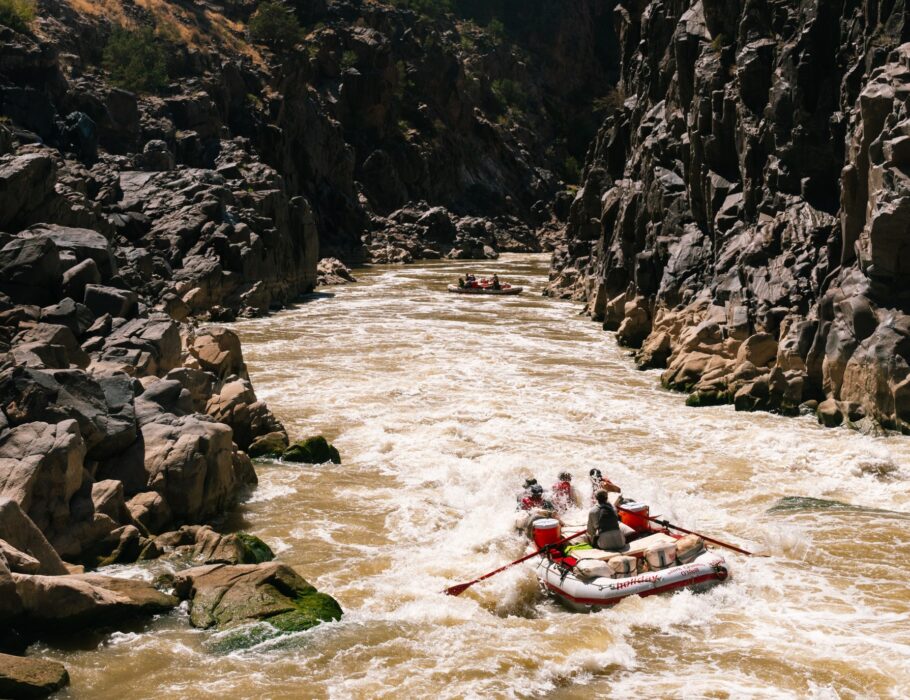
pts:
pixel 504 290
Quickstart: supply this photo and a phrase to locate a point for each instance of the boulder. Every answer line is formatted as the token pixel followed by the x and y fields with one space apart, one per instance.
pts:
pixel 30 271
pixel 200 544
pixel 27 677
pixel 829 413
pixel 186 459
pixel 119 303
pixel 150 511
pixel 218 351
pixel 10 605
pixel 20 532
pixel 18 561
pixel 636 324
pixel 77 317
pixel 197 382
pixel 41 469
pixel 235 404
pixel 145 346
pixel 103 408
pixel 107 498
pixel 123 545
pixel 269 445
pixel 77 245
pixel 79 276
pixel 78 601
pixel 313 450
pixel 760 349
pixel 225 596
pixel 331 271
pixel 53 335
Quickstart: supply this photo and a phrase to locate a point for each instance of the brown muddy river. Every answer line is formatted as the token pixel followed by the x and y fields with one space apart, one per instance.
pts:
pixel 440 405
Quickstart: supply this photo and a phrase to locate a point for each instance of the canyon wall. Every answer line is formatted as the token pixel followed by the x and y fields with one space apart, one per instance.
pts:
pixel 743 223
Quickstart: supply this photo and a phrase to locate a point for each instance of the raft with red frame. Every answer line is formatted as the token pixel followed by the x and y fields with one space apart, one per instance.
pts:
pixel 567 575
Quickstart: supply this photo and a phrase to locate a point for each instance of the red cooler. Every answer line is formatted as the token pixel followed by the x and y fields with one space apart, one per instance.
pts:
pixel 546 532
pixel 635 515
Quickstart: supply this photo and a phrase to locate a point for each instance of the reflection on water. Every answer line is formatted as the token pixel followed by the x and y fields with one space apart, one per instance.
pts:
pixel 441 404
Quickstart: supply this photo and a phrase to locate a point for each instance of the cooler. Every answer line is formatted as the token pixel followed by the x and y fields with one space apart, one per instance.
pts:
pixel 546 532
pixel 635 515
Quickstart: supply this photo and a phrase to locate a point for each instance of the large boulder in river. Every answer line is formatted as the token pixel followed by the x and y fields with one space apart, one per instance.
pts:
pixel 226 596
pixel 200 544
pixel 27 677
pixel 313 450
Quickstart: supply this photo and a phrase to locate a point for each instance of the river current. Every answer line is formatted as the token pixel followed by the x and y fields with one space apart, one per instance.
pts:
pixel 441 405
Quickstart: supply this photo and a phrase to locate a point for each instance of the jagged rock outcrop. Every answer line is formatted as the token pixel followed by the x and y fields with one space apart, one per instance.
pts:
pixel 742 213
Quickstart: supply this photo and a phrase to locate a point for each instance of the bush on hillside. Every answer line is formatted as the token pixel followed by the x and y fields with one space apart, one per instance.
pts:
pixel 137 60
pixel 274 25
pixel 510 94
pixel 17 14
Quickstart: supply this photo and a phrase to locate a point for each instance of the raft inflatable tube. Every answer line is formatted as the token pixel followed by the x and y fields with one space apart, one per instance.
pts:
pixel 506 290
pixel 584 595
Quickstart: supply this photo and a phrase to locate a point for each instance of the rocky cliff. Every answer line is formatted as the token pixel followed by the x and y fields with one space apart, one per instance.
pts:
pixel 743 217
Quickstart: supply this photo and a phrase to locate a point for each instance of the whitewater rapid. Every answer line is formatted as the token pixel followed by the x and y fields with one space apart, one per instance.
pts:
pixel 441 405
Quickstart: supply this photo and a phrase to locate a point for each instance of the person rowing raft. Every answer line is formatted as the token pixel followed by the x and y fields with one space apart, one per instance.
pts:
pixel 603 525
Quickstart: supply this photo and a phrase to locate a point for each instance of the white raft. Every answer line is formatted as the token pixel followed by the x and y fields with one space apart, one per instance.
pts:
pixel 589 594
pixel 506 290
pixel 602 578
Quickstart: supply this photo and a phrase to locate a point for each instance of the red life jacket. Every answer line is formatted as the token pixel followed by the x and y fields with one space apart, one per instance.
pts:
pixel 562 494
pixel 529 502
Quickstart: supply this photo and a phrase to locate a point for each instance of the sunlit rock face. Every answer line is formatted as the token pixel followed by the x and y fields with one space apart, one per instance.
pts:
pixel 750 188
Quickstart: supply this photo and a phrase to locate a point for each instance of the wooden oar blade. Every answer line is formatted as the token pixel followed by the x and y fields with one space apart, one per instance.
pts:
pixel 459 589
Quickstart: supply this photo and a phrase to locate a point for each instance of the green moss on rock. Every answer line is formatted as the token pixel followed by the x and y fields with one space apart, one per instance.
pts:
pixel 253 550
pixel 314 450
pixel 311 609
pixel 700 399
pixel 270 445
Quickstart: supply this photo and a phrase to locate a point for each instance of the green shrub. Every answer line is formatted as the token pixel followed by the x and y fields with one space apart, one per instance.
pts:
pixel 572 169
pixel 510 93
pixel 136 61
pixel 17 14
pixel 611 102
pixel 718 42
pixel 274 25
pixel 348 59
pixel 496 29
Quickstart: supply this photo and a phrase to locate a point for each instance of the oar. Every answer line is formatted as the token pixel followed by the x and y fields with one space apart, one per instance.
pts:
pixel 690 532
pixel 462 587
